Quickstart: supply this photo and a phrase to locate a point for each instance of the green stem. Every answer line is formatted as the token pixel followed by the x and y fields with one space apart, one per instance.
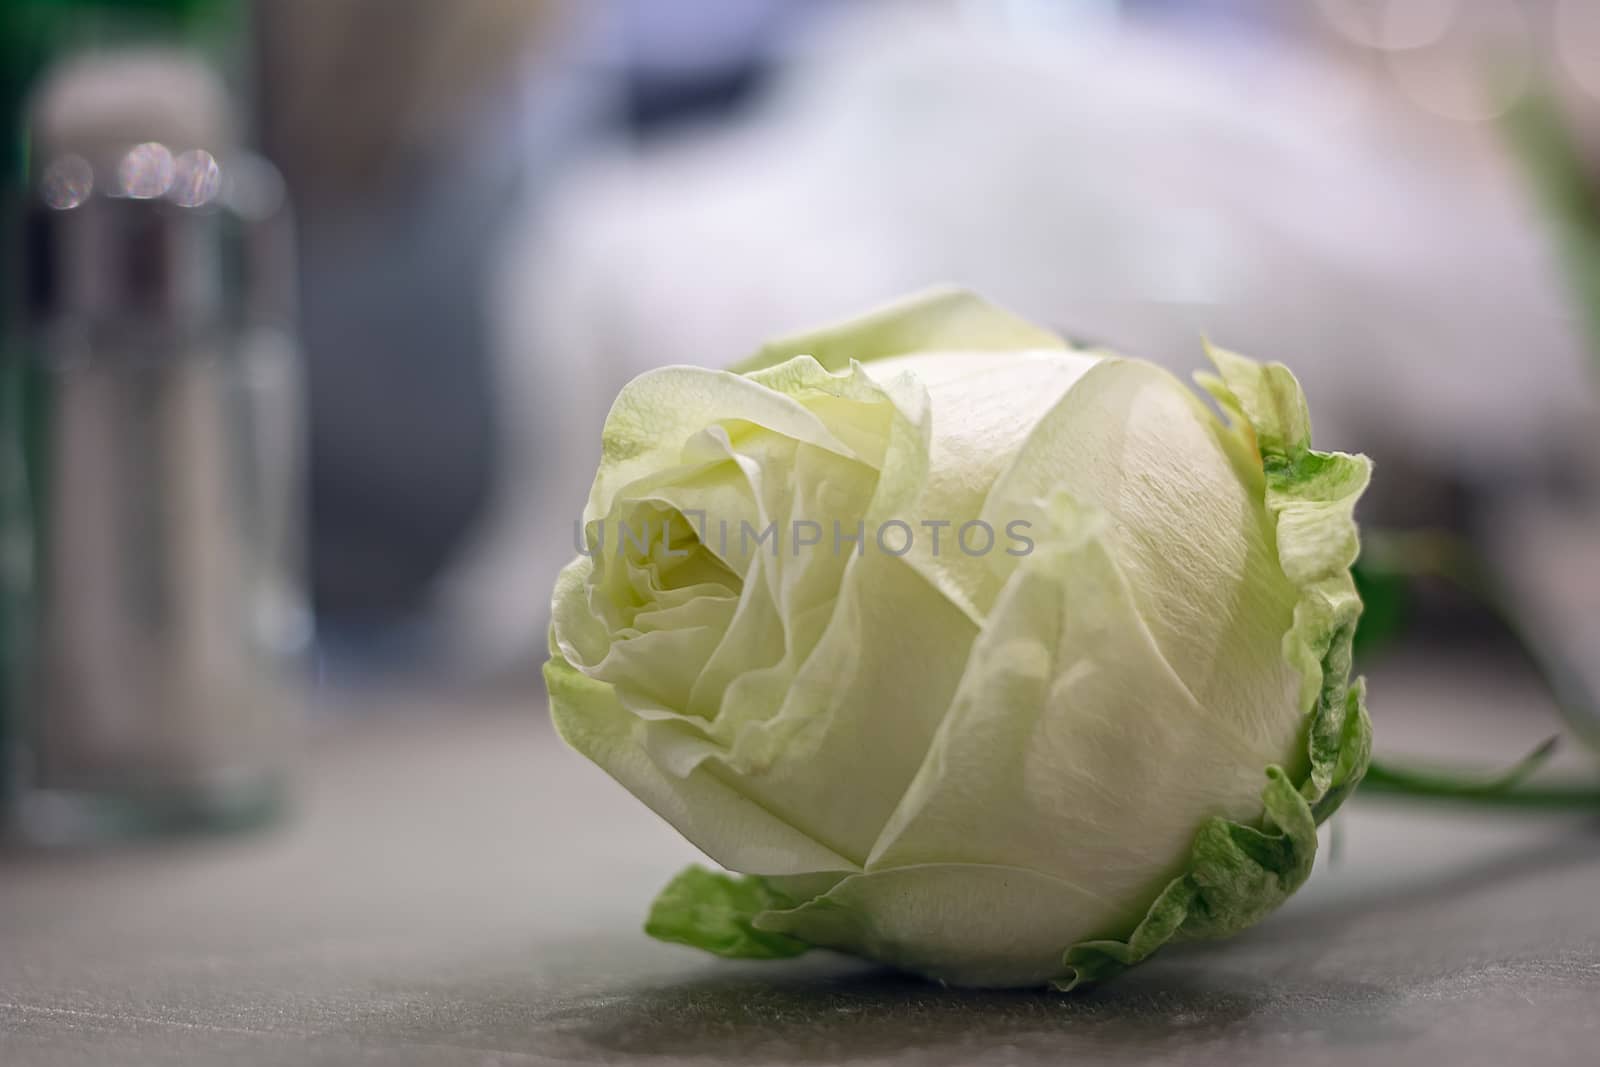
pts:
pixel 1443 555
pixel 1567 796
pixel 1452 559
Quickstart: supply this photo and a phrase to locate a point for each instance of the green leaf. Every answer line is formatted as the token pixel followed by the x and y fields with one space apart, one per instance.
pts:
pixel 712 911
pixel 1237 874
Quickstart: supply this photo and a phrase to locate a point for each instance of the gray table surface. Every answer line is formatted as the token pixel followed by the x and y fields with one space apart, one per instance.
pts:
pixel 457 888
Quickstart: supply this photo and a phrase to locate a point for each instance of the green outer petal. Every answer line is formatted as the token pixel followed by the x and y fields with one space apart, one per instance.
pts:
pixel 1238 874
pixel 940 319
pixel 712 911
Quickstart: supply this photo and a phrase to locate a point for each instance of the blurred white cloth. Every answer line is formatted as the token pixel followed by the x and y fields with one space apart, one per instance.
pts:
pixel 1126 189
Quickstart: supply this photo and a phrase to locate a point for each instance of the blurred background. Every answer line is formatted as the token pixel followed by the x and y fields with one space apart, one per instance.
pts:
pixel 508 208
pixel 310 314
pixel 504 209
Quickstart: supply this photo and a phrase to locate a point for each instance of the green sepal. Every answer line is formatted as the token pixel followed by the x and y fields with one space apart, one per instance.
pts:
pixel 712 911
pixel 1237 874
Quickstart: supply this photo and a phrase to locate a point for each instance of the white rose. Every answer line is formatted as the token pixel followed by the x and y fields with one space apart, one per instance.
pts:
pixel 969 650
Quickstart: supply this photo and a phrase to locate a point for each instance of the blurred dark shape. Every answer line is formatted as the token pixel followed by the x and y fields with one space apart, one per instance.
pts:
pixel 383 114
pixel 693 59
pixel 409 131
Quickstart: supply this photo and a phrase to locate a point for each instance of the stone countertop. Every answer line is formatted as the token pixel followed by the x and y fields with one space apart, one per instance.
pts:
pixel 457 888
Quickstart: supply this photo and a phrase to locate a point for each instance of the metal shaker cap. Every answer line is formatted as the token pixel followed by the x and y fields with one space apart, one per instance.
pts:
pixel 143 210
